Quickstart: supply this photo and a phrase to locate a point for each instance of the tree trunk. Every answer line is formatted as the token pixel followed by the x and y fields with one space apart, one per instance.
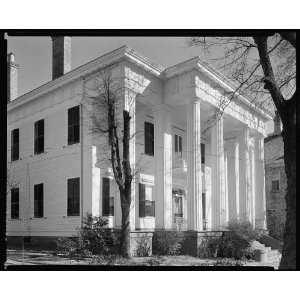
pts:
pixel 288 117
pixel 125 197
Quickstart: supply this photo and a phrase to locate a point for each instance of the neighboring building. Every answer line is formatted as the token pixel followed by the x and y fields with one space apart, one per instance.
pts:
pixel 276 183
pixel 193 175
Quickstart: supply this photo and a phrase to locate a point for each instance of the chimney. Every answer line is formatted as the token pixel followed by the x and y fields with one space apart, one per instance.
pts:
pixel 277 124
pixel 12 77
pixel 61 55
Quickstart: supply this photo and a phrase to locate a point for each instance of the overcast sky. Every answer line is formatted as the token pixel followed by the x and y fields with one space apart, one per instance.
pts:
pixel 33 54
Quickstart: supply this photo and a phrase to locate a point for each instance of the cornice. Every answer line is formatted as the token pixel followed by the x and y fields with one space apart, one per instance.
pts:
pixel 112 57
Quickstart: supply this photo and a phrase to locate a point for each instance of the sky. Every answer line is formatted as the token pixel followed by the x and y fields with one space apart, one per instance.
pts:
pixel 33 54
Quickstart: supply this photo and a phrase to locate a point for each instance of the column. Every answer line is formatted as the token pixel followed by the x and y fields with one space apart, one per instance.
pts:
pixel 245 184
pixel 218 175
pixel 233 179
pixel 253 186
pixel 260 200
pixel 163 167
pixel 129 105
pixel 194 180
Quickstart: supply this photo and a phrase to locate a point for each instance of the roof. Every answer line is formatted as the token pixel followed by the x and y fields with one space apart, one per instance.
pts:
pixel 133 56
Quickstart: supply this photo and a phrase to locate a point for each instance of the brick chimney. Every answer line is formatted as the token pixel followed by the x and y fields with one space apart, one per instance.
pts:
pixel 277 124
pixel 12 77
pixel 61 55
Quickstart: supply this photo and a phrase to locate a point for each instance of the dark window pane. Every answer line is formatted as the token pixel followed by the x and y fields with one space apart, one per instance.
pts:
pixel 15 144
pixel 107 199
pixel 149 138
pixel 73 197
pixel 15 203
pixel 39 137
pixel 176 143
pixel 38 200
pixel 73 125
pixel 203 153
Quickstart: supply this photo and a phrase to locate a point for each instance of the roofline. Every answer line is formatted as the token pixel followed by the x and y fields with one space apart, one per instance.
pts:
pixel 133 56
pixel 109 58
pixel 197 64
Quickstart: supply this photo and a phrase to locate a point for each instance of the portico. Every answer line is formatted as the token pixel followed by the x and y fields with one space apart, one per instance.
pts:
pixel 218 176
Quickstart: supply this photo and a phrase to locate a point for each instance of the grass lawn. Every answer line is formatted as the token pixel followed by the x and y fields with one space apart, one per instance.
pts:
pixel 31 257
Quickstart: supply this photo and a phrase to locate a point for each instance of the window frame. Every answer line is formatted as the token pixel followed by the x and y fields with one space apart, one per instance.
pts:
pixel 75 199
pixel 39 137
pixel 149 138
pixel 146 210
pixel 14 203
pixel 74 125
pixel 15 146
pixel 38 205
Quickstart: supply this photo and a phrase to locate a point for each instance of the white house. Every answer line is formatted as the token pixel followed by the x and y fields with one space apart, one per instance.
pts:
pixel 196 171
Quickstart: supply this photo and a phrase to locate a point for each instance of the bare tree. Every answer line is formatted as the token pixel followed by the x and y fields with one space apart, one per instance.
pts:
pixel 264 69
pixel 111 122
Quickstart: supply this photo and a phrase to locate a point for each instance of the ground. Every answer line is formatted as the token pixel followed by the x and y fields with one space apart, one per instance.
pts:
pixel 30 257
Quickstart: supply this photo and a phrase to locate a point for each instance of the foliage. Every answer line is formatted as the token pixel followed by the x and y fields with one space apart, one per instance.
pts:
pixel 228 262
pixel 235 243
pixel 143 248
pixel 93 239
pixel 165 243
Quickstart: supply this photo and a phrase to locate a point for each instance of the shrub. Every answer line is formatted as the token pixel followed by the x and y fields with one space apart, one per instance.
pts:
pixel 235 243
pixel 165 243
pixel 143 248
pixel 93 239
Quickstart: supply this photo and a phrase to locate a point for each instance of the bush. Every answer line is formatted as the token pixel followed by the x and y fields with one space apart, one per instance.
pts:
pixel 143 248
pixel 165 243
pixel 93 239
pixel 235 243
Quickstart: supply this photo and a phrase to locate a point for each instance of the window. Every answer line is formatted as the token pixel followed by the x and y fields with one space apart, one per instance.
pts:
pixel 178 205
pixel 146 203
pixel 15 144
pixel 178 145
pixel 73 197
pixel 202 153
pixel 73 125
pixel 275 185
pixel 14 211
pixel 38 200
pixel 107 199
pixel 39 137
pixel 149 138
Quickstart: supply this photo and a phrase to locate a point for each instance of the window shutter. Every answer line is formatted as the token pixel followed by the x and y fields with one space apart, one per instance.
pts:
pixel 15 144
pixel 176 143
pixel 73 125
pixel 202 153
pixel 149 138
pixel 105 196
pixel 141 200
